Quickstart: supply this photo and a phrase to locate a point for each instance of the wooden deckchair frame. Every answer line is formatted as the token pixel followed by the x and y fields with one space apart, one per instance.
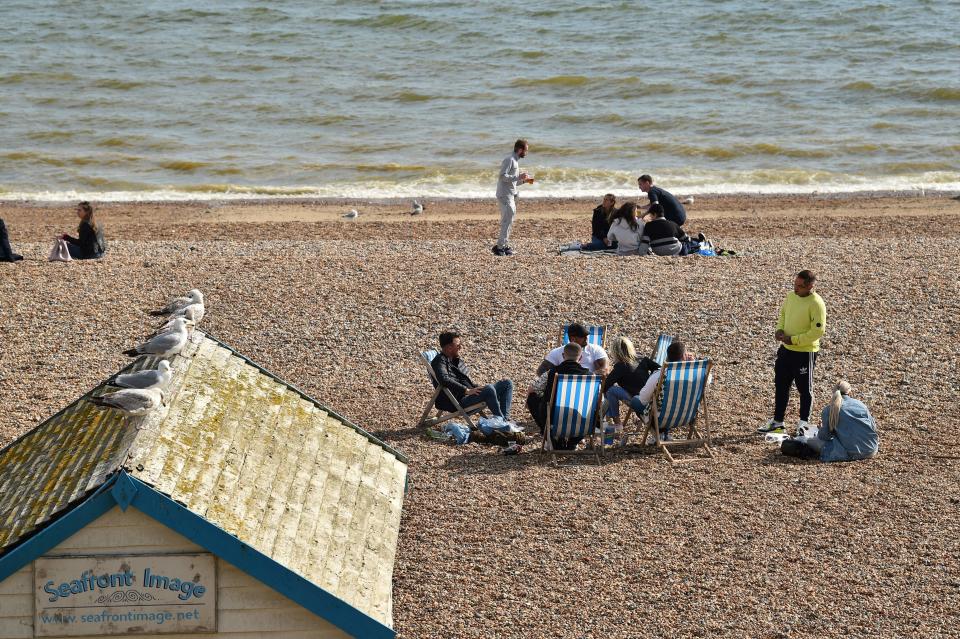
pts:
pixel 593 446
pixel 443 416
pixel 603 342
pixel 695 438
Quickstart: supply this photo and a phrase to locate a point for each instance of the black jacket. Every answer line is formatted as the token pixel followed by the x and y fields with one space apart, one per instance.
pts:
pixel 91 242
pixel 599 226
pixel 630 379
pixel 453 374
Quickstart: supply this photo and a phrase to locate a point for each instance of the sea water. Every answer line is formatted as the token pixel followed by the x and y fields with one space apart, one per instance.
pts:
pixel 241 98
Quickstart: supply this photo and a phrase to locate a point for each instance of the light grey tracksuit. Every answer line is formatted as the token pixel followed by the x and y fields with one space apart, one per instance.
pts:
pixel 507 181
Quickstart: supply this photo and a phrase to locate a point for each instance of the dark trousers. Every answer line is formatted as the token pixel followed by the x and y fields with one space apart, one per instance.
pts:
pixel 6 253
pixel 793 368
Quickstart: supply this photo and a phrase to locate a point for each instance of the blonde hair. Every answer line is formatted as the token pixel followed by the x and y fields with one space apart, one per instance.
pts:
pixel 843 388
pixel 623 352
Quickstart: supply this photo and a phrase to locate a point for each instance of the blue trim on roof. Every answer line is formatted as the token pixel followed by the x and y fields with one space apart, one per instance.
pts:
pixel 59 530
pixel 123 488
pixel 259 566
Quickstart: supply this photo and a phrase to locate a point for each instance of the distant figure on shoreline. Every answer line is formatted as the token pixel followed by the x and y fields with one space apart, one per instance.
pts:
pixel 6 253
pixel 847 432
pixel 600 225
pixel 90 243
pixel 672 209
pixel 801 324
pixel 508 179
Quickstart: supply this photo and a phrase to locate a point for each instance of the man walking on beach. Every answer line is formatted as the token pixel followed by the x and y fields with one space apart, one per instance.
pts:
pixel 672 209
pixel 508 179
pixel 802 322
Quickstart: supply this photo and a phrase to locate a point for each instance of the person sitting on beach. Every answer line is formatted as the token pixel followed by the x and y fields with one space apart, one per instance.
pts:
pixel 676 352
pixel 600 225
pixel 594 358
pixel 540 391
pixel 662 236
pixel 90 244
pixel 628 377
pixel 453 374
pixel 6 252
pixel 672 208
pixel 626 230
pixel 847 432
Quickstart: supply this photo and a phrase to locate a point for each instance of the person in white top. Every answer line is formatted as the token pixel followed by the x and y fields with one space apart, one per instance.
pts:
pixel 627 230
pixel 594 358
pixel 508 179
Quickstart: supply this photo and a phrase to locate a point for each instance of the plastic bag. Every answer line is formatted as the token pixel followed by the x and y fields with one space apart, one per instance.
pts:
pixel 459 432
pixel 60 252
pixel 490 424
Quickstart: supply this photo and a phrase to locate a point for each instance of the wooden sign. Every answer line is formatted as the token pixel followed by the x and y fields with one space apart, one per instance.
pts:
pixel 125 594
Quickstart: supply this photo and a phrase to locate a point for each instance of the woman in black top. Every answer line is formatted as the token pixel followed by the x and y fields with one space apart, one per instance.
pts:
pixel 628 376
pixel 90 243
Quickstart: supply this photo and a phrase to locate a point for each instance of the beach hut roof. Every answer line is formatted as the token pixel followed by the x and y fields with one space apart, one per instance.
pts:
pixel 240 461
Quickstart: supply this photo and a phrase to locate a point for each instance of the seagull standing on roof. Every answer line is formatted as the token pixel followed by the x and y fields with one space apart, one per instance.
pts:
pixel 164 344
pixel 351 214
pixel 158 377
pixel 193 296
pixel 132 401
pixel 192 312
pixel 417 208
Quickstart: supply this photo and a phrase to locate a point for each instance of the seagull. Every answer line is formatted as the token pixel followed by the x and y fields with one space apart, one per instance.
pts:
pixel 173 325
pixel 192 312
pixel 193 296
pixel 164 344
pixel 689 200
pixel 351 214
pixel 132 401
pixel 149 378
pixel 417 208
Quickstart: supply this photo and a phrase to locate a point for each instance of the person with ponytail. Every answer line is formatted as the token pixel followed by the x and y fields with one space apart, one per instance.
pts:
pixel 847 431
pixel 90 243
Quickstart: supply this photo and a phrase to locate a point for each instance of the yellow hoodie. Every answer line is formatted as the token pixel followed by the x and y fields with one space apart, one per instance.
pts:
pixel 804 319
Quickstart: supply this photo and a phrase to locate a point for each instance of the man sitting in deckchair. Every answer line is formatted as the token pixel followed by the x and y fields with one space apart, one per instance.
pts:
pixel 538 393
pixel 594 358
pixel 453 374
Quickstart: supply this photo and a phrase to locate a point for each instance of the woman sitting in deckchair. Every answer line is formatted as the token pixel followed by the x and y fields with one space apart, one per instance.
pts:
pixel 627 378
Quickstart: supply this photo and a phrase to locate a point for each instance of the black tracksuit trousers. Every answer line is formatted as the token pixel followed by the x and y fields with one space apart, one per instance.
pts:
pixel 791 368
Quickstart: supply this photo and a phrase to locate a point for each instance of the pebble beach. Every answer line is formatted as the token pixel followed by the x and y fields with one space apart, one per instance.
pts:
pixel 749 544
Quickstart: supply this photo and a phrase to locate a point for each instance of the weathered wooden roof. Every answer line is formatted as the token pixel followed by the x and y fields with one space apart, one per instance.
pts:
pixel 241 448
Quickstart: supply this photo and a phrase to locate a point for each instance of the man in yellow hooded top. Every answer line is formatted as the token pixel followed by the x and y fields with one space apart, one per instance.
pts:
pixel 802 322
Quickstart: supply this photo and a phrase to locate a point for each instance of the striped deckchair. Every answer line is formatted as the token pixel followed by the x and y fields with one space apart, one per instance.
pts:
pixel 596 335
pixel 676 403
pixel 442 416
pixel 660 350
pixel 573 411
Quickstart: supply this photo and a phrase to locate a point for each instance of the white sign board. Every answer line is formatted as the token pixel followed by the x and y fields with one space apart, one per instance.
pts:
pixel 125 594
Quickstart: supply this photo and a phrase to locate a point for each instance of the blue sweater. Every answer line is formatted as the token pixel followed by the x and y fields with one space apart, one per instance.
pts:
pixel 855 436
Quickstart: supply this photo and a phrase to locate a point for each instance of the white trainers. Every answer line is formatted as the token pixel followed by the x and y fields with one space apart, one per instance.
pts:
pixel 803 426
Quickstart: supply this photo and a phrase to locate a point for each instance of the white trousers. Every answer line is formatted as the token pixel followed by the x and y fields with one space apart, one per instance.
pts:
pixel 508 211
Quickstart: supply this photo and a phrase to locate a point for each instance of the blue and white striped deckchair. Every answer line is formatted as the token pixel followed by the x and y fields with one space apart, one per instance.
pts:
pixel 660 350
pixel 596 335
pixel 677 402
pixel 425 420
pixel 573 412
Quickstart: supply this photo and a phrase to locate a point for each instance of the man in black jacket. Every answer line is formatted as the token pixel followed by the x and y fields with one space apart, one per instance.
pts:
pixel 539 393
pixel 453 374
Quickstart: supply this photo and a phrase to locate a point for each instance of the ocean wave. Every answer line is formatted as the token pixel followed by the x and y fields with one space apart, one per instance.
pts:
pixel 410 96
pixel 117 85
pixel 182 166
pixel 402 21
pixel 37 76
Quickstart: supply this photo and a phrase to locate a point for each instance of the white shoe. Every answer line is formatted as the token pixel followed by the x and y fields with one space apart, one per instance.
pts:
pixel 771 426
pixel 803 427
